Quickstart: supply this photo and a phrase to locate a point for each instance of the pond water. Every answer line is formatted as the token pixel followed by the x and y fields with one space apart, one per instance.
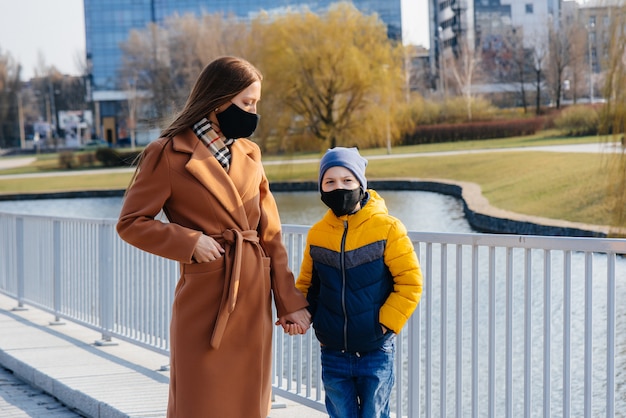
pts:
pixel 419 211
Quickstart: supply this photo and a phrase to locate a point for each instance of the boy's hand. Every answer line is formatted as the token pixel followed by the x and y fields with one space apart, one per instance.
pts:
pixel 296 322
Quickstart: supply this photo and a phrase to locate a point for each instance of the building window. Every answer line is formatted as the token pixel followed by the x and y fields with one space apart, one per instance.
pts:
pixel 529 8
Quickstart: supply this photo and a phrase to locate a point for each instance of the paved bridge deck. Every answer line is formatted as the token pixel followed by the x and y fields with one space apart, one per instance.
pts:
pixel 122 380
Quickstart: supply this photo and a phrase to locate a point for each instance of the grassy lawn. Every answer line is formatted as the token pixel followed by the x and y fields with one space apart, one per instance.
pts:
pixel 568 186
pixel 99 181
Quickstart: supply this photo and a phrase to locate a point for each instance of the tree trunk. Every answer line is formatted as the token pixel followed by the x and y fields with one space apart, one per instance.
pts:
pixel 538 94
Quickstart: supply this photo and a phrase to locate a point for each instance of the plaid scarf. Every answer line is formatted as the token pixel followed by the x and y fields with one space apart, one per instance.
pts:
pixel 207 134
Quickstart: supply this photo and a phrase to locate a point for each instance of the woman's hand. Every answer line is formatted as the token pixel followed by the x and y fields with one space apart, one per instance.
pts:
pixel 297 322
pixel 207 249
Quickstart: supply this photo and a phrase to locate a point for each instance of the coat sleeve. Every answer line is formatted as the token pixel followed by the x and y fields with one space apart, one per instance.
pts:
pixel 286 297
pixel 144 199
pixel 404 266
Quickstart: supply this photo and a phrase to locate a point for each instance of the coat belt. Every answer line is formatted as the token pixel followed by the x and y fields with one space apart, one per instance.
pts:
pixel 233 240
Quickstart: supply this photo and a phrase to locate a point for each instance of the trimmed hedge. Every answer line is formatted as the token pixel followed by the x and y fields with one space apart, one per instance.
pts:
pixel 112 158
pixel 431 134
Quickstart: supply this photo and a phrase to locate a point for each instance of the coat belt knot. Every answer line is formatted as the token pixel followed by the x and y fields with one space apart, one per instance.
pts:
pixel 233 240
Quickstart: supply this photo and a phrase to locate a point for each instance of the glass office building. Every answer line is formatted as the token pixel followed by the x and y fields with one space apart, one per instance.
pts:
pixel 108 23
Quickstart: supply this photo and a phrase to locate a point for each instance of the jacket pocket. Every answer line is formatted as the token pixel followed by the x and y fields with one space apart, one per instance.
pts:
pixel 193 274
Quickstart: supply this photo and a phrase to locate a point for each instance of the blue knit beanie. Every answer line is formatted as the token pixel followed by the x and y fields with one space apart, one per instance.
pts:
pixel 344 157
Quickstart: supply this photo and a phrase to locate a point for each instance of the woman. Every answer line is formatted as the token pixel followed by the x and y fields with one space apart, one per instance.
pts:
pixel 224 229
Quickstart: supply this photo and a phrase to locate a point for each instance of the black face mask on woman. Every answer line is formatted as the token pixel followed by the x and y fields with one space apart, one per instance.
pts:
pixel 342 201
pixel 236 122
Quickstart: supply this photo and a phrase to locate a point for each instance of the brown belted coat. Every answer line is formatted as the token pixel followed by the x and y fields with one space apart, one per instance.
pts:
pixel 221 328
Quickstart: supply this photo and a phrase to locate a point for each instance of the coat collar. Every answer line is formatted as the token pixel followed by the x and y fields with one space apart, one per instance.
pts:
pixel 208 171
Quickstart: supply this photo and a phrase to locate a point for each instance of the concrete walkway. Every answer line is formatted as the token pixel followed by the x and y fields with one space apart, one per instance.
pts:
pixel 63 361
pixel 6 163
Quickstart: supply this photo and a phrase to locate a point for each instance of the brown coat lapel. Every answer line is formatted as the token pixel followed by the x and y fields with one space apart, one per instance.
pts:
pixel 204 167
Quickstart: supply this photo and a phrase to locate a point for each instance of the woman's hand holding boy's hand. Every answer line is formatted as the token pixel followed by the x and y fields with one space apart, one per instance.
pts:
pixel 295 323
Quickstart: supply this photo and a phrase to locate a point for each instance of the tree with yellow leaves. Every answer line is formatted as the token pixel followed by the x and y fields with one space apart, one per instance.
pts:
pixel 333 77
pixel 615 110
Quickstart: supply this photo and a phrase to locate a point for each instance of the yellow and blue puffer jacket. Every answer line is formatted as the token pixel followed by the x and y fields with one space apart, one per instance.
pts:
pixel 359 271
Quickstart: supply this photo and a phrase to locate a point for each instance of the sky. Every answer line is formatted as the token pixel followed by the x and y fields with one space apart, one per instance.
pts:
pixel 55 29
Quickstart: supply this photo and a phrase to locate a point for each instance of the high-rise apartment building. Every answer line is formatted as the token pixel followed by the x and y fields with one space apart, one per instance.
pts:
pixel 485 23
pixel 109 22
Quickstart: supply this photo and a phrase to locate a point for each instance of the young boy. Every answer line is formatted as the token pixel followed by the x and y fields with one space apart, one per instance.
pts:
pixel 362 279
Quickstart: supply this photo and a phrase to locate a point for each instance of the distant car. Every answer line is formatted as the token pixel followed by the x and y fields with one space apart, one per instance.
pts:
pixel 95 143
pixel 123 142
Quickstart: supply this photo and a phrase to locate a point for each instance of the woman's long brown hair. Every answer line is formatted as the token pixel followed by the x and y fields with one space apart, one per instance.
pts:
pixel 220 81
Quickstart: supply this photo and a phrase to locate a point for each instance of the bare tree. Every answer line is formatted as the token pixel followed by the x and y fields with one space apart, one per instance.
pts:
pixel 558 57
pixel 163 61
pixel 539 53
pixel 463 68
pixel 517 63
pixel 10 101
pixel 576 68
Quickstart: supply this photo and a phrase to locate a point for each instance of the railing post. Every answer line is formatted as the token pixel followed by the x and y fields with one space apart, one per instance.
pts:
pixel 428 296
pixel 588 333
pixel 416 351
pixel 610 336
pixel 56 272
pixel 527 332
pixel 547 332
pixel 19 253
pixel 105 289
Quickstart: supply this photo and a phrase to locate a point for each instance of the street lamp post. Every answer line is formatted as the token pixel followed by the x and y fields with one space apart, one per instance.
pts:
pixel 53 108
pixel 132 111
pixel 20 117
pixel 442 66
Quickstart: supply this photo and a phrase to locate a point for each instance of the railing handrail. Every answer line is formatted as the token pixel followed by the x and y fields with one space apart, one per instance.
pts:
pixel 617 245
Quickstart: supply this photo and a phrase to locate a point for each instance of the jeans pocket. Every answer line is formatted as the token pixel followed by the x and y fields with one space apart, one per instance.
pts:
pixel 389 345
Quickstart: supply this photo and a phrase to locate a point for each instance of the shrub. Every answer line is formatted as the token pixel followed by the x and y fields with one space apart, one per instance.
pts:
pixel 87 158
pixel 429 134
pixel 111 158
pixel 66 159
pixel 454 110
pixel 578 121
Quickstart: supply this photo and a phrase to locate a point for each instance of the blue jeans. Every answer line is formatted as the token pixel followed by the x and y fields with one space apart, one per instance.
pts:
pixel 358 385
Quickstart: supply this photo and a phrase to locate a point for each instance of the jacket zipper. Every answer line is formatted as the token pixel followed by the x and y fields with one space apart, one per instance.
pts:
pixel 343 285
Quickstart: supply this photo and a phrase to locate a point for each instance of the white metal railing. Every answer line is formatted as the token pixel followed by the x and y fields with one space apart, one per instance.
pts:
pixel 507 326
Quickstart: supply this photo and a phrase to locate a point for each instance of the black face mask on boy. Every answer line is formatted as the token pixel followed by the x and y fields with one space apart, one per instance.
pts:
pixel 342 201
pixel 236 122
